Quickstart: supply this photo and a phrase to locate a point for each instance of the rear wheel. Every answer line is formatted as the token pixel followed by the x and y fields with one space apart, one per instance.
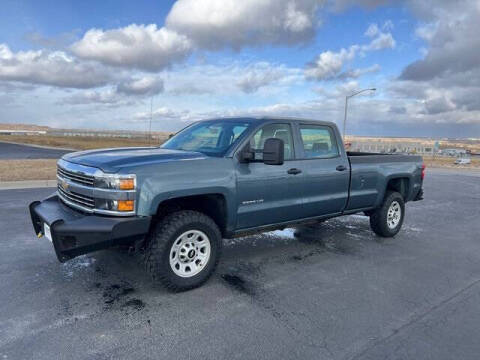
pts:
pixel 183 250
pixel 387 220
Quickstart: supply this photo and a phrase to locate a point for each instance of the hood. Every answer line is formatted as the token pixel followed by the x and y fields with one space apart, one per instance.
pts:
pixel 111 160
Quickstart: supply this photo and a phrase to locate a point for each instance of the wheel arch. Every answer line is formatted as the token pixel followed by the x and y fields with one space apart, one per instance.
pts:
pixel 399 184
pixel 213 205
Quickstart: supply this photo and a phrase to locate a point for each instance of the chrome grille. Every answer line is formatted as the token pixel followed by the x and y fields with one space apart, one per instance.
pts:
pixel 75 198
pixel 79 178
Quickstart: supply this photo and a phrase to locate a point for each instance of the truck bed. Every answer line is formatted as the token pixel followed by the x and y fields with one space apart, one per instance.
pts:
pixel 371 171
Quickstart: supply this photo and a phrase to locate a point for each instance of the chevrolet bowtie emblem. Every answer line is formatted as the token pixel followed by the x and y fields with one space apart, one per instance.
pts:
pixel 64 185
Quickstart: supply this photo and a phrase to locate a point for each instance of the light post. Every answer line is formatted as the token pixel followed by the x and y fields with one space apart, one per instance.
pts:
pixel 346 107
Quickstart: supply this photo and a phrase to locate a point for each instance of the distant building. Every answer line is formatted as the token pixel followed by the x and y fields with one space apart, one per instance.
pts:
pixel 390 146
pixel 22 132
pixel 453 152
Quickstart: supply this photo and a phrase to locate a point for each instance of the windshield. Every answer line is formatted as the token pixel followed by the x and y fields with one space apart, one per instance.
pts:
pixel 213 138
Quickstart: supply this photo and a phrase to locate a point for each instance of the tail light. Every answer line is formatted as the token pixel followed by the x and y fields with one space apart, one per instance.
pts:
pixel 423 171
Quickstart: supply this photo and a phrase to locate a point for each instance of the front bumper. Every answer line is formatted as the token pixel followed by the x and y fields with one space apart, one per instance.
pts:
pixel 75 233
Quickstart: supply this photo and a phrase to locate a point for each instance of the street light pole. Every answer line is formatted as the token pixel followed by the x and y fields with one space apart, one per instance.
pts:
pixel 346 107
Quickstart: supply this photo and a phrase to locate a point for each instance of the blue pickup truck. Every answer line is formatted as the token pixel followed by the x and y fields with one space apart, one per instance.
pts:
pixel 217 179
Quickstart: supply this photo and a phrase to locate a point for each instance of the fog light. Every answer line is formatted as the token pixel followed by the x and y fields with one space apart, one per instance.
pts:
pixel 125 205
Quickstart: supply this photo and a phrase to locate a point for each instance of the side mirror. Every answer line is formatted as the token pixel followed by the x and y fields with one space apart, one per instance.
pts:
pixel 273 152
pixel 246 155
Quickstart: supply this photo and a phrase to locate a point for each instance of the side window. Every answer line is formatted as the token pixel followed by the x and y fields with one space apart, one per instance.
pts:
pixel 279 131
pixel 318 141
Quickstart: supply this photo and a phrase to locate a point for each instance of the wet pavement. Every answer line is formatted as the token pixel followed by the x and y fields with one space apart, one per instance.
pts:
pixel 329 291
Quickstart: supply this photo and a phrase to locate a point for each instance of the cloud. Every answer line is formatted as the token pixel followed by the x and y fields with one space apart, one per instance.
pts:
pixel 329 65
pixel 356 73
pixel 127 92
pixel 217 24
pixel 144 47
pixel 341 5
pixel 260 76
pixel 51 68
pixel 382 41
pixel 147 85
pixel 446 81
pixel 372 30
pixel 450 28
pixel 232 78
pixel 388 25
pixel 106 97
pixel 163 113
pixel 439 103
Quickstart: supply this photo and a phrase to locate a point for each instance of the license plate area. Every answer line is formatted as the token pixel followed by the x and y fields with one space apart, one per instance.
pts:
pixel 47 232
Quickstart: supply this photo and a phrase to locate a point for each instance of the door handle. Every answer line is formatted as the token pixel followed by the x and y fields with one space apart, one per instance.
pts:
pixel 341 168
pixel 294 171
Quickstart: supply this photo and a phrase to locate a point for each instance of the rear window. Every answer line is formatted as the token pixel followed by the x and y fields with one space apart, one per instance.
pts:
pixel 318 141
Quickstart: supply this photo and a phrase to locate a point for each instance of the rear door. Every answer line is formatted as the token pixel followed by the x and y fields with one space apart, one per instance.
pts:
pixel 269 194
pixel 326 170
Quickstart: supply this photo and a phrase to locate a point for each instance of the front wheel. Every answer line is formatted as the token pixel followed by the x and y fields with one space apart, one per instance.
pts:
pixel 183 250
pixel 387 220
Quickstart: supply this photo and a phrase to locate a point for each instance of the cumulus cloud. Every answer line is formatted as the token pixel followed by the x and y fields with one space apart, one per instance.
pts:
pixel 329 65
pixel 105 97
pixel 341 5
pixel 438 103
pixel 382 41
pixel 216 24
pixel 356 73
pixel 372 30
pixel 51 68
pixel 127 92
pixel 260 76
pixel 454 44
pixel 388 25
pixel 144 47
pixel 446 81
pixel 231 78
pixel 163 113
pixel 147 85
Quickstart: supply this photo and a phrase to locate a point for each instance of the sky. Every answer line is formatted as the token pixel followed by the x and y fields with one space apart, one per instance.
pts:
pixel 114 64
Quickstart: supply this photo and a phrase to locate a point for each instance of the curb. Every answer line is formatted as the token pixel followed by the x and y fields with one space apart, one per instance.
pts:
pixel 29 184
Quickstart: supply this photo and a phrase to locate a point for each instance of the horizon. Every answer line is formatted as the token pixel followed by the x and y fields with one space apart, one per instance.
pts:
pixel 93 65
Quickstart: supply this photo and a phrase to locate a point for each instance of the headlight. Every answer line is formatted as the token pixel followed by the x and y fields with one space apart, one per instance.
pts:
pixel 116 182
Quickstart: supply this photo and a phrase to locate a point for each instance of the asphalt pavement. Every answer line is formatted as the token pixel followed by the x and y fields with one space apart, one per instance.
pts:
pixel 10 151
pixel 332 291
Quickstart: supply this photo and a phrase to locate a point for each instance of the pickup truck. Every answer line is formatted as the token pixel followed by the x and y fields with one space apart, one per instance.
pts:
pixel 217 179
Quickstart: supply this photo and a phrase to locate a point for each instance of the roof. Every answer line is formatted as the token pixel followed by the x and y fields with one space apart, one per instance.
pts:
pixel 262 119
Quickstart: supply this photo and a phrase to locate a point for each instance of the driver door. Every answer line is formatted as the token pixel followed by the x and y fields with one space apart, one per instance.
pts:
pixel 269 194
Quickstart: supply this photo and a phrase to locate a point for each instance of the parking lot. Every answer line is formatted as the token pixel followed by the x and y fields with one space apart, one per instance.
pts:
pixel 332 291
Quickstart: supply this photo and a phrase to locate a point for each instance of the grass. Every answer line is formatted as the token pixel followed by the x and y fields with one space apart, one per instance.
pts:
pixel 16 170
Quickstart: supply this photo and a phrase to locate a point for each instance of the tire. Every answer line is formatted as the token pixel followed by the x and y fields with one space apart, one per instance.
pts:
pixel 183 250
pixel 387 220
